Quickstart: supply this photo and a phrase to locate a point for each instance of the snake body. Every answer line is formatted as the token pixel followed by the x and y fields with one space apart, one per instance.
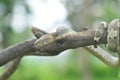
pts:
pixel 113 30
pixel 46 39
pixel 113 35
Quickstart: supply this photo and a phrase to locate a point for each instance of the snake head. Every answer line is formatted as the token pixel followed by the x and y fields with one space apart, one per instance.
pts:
pixel 113 35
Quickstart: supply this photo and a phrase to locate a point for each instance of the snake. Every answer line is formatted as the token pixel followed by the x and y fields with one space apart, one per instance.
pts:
pixel 61 33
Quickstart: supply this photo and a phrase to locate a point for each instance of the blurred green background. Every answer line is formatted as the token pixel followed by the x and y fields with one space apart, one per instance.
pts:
pixel 16 17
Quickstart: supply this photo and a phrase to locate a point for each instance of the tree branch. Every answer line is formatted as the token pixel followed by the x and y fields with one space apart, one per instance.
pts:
pixel 79 39
pixel 12 66
pixel 15 51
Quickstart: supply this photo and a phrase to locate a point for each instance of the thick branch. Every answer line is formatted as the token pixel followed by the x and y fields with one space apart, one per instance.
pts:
pixel 78 39
pixel 15 51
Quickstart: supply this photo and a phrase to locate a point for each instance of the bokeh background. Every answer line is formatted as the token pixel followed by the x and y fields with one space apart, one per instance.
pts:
pixel 17 16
